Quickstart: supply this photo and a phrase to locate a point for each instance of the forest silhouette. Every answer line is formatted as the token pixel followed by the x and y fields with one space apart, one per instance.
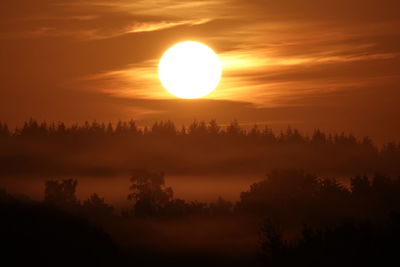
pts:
pixel 300 218
pixel 199 148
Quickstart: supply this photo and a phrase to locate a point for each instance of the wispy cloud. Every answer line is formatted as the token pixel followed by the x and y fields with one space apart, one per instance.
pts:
pixel 161 25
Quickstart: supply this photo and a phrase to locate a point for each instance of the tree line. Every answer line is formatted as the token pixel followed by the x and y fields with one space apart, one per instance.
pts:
pixel 286 195
pixel 35 129
pixel 201 147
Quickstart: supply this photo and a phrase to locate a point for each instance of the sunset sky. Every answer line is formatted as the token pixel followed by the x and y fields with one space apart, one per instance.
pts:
pixel 333 65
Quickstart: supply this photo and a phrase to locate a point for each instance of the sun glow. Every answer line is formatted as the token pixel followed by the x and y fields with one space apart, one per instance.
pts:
pixel 190 70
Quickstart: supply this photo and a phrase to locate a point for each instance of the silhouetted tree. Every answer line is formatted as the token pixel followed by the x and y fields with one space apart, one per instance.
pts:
pixel 61 193
pixel 280 191
pixel 95 205
pixel 150 194
pixel 213 128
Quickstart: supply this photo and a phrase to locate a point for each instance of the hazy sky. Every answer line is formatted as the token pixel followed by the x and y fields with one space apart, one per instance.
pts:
pixel 328 64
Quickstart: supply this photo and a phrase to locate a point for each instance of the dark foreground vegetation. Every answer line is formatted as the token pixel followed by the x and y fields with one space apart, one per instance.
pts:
pixel 296 218
pixel 200 148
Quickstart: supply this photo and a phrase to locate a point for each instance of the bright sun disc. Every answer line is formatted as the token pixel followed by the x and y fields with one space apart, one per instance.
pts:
pixel 190 70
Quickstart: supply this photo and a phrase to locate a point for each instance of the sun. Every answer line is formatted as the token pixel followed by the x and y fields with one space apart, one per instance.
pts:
pixel 190 70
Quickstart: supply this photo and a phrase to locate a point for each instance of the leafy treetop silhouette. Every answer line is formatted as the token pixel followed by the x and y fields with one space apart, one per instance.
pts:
pixel 149 192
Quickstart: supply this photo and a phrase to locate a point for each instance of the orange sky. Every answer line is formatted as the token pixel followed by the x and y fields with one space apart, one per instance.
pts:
pixel 328 64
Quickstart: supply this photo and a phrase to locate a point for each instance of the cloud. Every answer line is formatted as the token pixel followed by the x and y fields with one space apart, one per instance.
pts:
pixel 156 26
pixel 91 20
